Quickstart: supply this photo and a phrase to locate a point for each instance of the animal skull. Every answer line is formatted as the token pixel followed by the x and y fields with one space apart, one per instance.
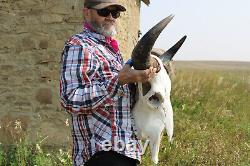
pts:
pixel 153 110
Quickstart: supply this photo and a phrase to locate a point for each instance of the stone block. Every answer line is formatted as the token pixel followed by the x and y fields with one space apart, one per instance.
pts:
pixel 28 43
pixel 51 18
pixel 29 4
pixel 43 44
pixel 8 41
pixel 44 95
pixel 8 22
pixel 23 103
pixel 10 97
pixel 49 75
pixel 6 68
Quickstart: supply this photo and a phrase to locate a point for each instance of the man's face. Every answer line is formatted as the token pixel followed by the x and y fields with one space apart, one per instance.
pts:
pixel 105 25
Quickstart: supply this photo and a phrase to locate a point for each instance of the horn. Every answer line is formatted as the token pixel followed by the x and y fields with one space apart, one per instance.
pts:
pixel 141 52
pixel 169 54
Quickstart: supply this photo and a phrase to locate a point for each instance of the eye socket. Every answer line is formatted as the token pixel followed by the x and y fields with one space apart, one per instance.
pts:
pixel 156 99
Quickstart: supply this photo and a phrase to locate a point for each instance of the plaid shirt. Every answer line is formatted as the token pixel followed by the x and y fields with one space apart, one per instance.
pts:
pixel 89 89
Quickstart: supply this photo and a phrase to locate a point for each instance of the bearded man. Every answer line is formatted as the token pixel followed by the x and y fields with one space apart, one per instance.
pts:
pixel 94 90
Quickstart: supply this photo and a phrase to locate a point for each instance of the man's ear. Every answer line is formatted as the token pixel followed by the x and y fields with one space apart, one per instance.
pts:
pixel 85 13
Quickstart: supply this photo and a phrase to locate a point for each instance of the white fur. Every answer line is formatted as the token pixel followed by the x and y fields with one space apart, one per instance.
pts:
pixel 152 117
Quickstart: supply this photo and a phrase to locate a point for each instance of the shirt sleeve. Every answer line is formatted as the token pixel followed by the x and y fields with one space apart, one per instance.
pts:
pixel 80 89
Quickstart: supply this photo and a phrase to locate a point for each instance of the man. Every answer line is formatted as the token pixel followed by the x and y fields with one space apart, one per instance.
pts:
pixel 94 90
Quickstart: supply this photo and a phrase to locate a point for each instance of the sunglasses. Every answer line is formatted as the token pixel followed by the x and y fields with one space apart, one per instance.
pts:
pixel 106 12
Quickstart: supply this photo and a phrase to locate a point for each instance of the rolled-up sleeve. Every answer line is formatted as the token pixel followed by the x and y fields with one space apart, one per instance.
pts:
pixel 81 88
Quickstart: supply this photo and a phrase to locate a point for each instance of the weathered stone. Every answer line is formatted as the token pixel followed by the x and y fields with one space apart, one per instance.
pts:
pixel 49 75
pixel 43 44
pixel 44 96
pixel 68 19
pixel 28 43
pixel 52 18
pixel 24 89
pixel 24 72
pixel 6 68
pixel 32 36
pixel 22 103
pixel 8 41
pixel 27 4
pixel 4 90
pixel 8 22
pixel 10 97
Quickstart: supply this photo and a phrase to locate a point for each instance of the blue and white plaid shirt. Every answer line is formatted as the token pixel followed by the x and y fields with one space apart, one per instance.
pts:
pixel 100 107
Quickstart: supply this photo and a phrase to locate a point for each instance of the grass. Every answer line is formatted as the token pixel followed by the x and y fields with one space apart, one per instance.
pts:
pixel 25 154
pixel 212 119
pixel 212 125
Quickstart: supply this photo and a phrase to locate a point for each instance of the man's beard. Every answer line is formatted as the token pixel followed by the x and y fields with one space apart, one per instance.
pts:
pixel 104 29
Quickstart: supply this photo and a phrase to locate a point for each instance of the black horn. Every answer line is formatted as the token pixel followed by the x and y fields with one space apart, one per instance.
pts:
pixel 169 54
pixel 141 52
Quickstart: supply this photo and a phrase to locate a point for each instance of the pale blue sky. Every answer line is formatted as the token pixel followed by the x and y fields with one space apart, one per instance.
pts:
pixel 216 29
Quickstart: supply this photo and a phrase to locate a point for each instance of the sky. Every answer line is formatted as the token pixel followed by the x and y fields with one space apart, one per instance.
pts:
pixel 216 29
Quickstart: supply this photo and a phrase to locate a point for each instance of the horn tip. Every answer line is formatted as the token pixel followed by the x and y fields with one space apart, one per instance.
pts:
pixel 184 38
pixel 171 16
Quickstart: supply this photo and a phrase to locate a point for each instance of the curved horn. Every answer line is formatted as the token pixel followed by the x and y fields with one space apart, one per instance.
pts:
pixel 141 52
pixel 169 54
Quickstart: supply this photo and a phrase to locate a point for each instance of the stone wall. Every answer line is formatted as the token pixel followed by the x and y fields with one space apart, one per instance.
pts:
pixel 32 35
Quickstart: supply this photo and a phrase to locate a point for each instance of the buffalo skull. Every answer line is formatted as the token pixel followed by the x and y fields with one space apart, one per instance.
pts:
pixel 152 111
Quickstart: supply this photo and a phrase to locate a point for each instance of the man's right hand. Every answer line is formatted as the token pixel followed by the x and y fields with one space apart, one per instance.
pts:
pixel 128 75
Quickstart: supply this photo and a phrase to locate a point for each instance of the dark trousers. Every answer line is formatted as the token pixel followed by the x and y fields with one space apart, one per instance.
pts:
pixel 110 158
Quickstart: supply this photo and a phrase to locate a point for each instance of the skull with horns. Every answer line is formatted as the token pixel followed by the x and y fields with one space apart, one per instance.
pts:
pixel 153 110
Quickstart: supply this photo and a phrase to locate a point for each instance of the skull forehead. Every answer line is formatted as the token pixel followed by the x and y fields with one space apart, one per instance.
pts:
pixel 161 82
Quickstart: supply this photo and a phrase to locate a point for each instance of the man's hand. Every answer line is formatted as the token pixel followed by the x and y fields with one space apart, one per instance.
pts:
pixel 128 75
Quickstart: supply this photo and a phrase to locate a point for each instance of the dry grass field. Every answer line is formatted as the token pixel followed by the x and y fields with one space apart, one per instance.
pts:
pixel 211 102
